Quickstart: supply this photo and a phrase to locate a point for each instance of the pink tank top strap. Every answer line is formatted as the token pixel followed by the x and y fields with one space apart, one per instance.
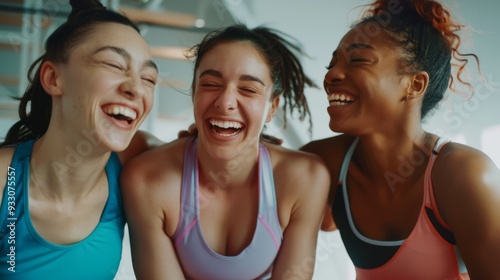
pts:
pixel 429 198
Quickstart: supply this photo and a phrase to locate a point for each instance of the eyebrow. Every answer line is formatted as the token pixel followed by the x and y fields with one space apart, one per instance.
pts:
pixel 122 52
pixel 359 46
pixel 355 46
pixel 244 77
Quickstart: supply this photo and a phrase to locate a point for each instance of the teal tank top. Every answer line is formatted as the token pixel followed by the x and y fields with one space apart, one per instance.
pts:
pixel 25 255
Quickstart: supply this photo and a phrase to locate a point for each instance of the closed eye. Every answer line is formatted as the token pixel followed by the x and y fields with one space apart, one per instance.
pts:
pixel 210 85
pixel 249 90
pixel 358 60
pixel 116 66
pixel 149 80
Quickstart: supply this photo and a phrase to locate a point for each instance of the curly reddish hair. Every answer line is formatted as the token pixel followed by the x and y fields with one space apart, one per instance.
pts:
pixel 429 39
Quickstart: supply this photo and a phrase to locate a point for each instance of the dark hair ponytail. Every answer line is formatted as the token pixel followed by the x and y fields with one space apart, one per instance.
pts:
pixel 35 106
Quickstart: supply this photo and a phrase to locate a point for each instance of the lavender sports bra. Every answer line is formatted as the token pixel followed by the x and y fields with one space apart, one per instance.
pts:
pixel 198 260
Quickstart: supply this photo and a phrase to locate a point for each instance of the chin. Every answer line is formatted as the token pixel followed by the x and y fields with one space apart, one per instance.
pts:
pixel 114 142
pixel 335 128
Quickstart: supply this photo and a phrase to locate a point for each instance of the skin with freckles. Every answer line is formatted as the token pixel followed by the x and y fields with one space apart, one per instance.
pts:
pixel 233 99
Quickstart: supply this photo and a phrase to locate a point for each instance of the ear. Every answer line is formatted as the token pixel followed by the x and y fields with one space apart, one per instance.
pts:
pixel 417 85
pixel 274 106
pixel 49 78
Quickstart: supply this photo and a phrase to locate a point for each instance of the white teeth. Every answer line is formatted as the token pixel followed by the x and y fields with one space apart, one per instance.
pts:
pixel 120 110
pixel 338 103
pixel 226 124
pixel 339 97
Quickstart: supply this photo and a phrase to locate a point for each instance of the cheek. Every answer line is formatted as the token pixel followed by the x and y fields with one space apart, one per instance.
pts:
pixel 199 106
pixel 259 110
pixel 148 101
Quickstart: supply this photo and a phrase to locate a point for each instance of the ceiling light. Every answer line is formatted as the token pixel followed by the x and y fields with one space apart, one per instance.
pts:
pixel 199 23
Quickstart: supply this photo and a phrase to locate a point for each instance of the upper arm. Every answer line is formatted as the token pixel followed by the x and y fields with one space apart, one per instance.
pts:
pixel 153 253
pixel 5 160
pixel 331 150
pixel 467 187
pixel 310 187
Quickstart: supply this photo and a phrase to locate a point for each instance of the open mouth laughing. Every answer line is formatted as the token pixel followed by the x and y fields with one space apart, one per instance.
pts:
pixel 225 128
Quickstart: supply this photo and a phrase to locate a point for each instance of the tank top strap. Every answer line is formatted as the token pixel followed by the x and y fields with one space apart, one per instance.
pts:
pixel 16 185
pixel 428 188
pixel 189 179
pixel 267 192
pixel 347 160
pixel 114 205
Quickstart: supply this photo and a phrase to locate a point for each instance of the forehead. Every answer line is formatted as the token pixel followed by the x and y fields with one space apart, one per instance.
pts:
pixel 116 35
pixel 367 34
pixel 238 58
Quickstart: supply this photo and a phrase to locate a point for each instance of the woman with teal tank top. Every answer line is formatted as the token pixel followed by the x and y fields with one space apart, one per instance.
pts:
pixel 61 213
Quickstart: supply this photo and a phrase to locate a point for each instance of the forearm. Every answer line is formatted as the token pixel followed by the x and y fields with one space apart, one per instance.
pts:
pixel 155 259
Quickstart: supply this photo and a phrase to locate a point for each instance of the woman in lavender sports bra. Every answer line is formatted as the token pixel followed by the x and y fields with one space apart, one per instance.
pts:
pixel 408 204
pixel 225 204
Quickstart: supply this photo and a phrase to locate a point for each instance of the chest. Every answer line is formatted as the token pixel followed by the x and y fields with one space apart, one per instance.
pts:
pixel 384 213
pixel 67 223
pixel 228 219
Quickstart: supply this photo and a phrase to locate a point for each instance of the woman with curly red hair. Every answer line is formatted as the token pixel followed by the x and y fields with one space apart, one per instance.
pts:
pixel 409 204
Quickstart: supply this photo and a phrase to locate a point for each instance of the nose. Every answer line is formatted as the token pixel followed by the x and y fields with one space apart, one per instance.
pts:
pixel 133 87
pixel 334 75
pixel 226 101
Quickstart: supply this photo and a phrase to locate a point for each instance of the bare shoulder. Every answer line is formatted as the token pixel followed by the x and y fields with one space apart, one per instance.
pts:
pixel 287 159
pixel 151 187
pixel 463 175
pixel 298 171
pixel 155 168
pixel 329 148
pixel 157 158
pixel 142 141
pixel 5 161
pixel 461 164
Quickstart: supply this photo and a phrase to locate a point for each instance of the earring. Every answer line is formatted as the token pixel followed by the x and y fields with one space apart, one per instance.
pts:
pixel 411 97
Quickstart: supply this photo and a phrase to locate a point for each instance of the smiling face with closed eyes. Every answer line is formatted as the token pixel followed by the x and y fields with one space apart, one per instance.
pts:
pixel 105 88
pixel 364 85
pixel 232 98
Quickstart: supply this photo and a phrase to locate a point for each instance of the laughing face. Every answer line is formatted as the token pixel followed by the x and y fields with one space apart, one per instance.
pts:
pixel 232 99
pixel 363 83
pixel 107 86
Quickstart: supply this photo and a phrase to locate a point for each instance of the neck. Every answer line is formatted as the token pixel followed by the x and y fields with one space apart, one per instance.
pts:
pixel 231 173
pixel 62 167
pixel 397 156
